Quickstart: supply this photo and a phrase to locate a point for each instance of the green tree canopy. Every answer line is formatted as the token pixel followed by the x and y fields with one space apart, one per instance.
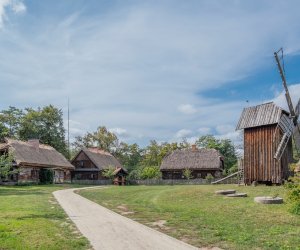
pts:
pixel 130 155
pixel 45 124
pixel 101 138
pixel 10 121
pixel 6 165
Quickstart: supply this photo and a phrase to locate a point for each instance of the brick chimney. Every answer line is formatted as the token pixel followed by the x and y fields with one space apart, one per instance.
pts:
pixel 34 143
pixel 194 147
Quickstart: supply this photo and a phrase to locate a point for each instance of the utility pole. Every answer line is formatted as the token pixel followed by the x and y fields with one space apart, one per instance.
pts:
pixel 69 128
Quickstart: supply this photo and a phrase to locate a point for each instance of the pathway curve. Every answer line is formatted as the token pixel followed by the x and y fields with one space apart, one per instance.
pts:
pixel 107 230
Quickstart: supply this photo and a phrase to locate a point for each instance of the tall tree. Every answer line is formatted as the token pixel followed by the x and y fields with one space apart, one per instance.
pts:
pixel 83 141
pixel 4 132
pixel 129 155
pixel 104 139
pixel 6 166
pixel 10 120
pixel 101 138
pixel 45 124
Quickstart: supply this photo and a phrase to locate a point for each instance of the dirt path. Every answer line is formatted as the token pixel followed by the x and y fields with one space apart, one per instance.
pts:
pixel 107 230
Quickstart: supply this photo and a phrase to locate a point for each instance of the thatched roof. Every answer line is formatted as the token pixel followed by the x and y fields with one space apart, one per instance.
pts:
pixel 101 158
pixel 203 159
pixel 38 155
pixel 260 115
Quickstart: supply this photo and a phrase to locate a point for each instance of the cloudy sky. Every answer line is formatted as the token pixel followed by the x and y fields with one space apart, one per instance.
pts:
pixel 163 70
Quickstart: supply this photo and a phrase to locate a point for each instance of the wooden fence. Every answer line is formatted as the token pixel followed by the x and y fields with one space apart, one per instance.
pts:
pixel 92 182
pixel 155 182
pixel 170 182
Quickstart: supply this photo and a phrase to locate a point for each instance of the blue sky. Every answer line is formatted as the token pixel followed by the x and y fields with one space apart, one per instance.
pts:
pixel 163 70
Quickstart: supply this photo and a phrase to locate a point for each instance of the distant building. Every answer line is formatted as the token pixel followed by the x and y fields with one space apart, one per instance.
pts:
pixel 31 157
pixel 89 164
pixel 201 162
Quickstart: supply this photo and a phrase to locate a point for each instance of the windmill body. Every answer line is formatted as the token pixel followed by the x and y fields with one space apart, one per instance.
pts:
pixel 263 134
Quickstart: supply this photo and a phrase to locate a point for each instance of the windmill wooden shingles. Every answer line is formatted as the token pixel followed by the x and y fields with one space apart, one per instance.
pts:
pixel 261 139
pixel 260 115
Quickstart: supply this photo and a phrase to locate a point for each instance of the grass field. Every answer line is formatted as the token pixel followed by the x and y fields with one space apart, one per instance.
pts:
pixel 196 215
pixel 30 218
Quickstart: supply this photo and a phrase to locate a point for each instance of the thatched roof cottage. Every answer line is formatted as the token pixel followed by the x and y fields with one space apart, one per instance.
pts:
pixel 200 161
pixel 89 164
pixel 31 157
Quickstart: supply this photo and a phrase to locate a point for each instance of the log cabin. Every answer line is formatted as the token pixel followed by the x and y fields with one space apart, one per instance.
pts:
pixel 262 136
pixel 201 162
pixel 31 157
pixel 89 164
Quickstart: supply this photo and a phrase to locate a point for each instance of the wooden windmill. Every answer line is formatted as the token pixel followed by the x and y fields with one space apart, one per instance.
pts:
pixel 268 132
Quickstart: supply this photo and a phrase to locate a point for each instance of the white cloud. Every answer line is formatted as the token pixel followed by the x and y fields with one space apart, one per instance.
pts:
pixel 294 91
pixel 119 132
pixel 76 128
pixel 224 128
pixel 17 6
pixel 187 109
pixel 236 138
pixel 204 130
pixel 183 133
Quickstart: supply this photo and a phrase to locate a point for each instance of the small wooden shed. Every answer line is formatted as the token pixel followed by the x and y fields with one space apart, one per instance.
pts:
pixel 201 162
pixel 262 135
pixel 120 176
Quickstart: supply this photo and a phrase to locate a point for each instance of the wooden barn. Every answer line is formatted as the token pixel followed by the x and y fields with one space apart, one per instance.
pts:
pixel 31 157
pixel 264 126
pixel 89 164
pixel 201 162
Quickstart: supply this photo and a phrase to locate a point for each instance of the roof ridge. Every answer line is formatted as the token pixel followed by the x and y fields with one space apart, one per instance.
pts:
pixel 41 145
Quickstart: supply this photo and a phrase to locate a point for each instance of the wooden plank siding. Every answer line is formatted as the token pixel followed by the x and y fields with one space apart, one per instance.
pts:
pixel 259 151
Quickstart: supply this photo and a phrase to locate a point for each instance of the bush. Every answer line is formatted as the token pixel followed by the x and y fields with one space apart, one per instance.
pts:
pixel 187 173
pixel 209 178
pixel 134 174
pixel 109 173
pixel 46 176
pixel 293 195
pixel 150 173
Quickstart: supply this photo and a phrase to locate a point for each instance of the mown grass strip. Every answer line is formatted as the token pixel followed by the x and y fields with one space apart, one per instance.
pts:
pixel 198 216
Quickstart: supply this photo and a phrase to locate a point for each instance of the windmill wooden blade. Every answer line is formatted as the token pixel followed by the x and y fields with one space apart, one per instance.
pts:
pixel 287 94
pixel 287 127
pixel 296 136
pixel 297 109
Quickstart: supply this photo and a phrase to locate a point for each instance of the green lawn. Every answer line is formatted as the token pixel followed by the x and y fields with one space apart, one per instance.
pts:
pixel 198 216
pixel 30 218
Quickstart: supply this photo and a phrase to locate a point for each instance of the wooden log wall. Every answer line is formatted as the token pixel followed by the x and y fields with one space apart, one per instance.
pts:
pixel 259 151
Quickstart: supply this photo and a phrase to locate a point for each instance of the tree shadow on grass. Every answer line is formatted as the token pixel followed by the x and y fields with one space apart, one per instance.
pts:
pixel 47 216
pixel 12 191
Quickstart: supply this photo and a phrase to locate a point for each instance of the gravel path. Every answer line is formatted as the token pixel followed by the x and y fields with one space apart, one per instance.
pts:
pixel 107 230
